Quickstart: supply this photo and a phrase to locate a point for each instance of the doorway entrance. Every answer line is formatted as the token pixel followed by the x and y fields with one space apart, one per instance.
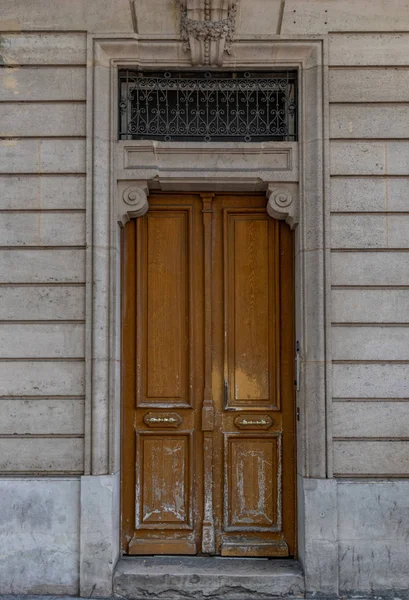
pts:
pixel 208 437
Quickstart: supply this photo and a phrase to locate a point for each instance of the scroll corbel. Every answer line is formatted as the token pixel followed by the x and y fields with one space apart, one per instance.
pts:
pixel 132 201
pixel 283 203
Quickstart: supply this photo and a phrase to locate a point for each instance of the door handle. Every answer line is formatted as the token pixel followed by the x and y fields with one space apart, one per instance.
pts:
pixel 297 366
pixel 253 422
pixel 162 419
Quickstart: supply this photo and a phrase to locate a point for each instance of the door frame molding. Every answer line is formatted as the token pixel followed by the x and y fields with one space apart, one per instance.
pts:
pixel 297 190
pixel 147 166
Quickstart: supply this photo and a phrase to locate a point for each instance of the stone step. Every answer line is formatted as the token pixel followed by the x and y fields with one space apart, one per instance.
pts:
pixel 207 578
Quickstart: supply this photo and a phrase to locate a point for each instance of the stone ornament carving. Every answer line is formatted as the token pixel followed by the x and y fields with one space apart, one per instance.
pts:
pixel 207 29
pixel 282 204
pixel 132 202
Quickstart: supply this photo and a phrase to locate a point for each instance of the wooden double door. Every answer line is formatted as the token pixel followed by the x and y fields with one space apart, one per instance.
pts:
pixel 208 461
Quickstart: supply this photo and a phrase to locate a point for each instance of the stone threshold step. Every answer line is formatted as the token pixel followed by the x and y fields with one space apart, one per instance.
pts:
pixel 207 578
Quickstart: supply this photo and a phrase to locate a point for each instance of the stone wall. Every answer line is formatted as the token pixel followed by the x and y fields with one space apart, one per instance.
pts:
pixel 42 255
pixel 369 162
pixel 42 308
pixel 368 84
pixel 44 417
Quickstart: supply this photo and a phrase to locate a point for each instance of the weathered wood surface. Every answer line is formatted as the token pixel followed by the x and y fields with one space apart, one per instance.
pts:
pixel 234 479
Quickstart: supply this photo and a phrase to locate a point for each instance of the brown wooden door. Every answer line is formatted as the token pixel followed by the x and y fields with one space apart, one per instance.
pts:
pixel 208 454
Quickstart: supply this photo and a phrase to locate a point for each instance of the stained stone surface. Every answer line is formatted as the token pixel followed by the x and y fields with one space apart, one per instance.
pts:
pixel 39 537
pixel 174 578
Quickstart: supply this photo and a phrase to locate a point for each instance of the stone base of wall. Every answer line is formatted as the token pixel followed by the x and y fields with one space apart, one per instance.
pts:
pixel 61 536
pixel 39 536
pixel 100 519
pixel 373 537
pixel 356 540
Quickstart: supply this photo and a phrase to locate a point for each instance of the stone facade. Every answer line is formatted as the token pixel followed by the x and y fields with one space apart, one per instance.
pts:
pixel 61 172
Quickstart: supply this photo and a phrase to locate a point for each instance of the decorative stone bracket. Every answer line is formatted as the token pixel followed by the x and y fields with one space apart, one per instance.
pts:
pixel 132 200
pixel 283 202
pixel 207 29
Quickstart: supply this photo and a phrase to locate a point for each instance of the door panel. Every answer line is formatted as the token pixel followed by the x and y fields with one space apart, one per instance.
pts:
pixel 252 482
pixel 165 359
pixel 163 378
pixel 208 347
pixel 164 480
pixel 251 307
pixel 253 340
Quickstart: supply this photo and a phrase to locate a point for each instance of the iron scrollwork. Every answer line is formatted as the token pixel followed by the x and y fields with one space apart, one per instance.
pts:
pixel 208 106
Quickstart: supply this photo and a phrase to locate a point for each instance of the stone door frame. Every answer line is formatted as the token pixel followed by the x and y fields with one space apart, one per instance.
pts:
pixel 120 174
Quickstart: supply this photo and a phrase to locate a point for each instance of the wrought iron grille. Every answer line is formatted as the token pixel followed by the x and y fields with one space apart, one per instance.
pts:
pixel 208 106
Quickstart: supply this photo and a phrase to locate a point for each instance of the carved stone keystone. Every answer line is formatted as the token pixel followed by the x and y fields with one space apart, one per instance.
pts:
pixel 283 203
pixel 132 201
pixel 207 29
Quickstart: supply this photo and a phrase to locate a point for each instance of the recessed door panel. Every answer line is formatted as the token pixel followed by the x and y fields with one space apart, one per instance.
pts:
pixel 252 482
pixel 164 477
pixel 166 324
pixel 251 309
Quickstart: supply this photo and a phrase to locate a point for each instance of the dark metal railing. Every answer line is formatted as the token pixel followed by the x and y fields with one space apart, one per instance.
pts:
pixel 208 106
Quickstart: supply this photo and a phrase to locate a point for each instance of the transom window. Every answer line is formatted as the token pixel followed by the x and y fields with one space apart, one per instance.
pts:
pixel 208 106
